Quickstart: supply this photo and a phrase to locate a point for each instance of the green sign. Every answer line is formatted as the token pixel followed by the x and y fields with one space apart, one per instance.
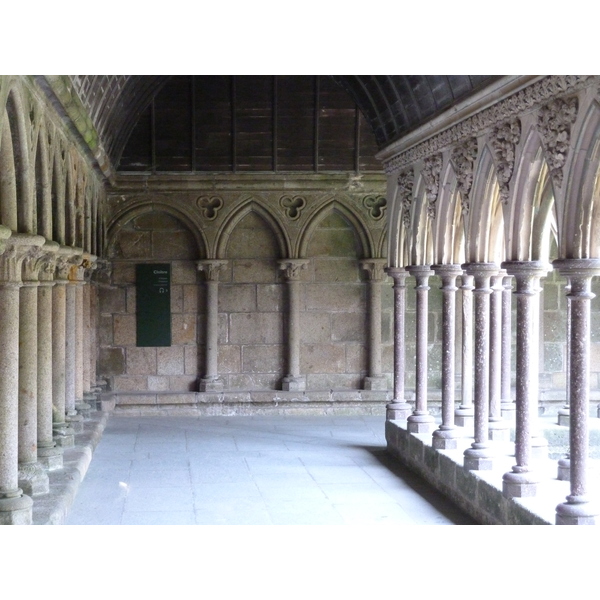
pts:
pixel 153 304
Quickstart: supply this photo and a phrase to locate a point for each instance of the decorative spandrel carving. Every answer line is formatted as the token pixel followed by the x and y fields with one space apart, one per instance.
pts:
pixel 431 173
pixel 292 205
pixel 463 158
pixel 209 206
pixel 405 194
pixel 376 206
pixel 523 101
pixel 555 120
pixel 504 139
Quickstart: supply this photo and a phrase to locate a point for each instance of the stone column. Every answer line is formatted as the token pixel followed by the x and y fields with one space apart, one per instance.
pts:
pixel 421 421
pixel 521 481
pixel 375 268
pixel 89 398
pixel 211 382
pixel 507 406
pixel 15 507
pixel 464 414
pixel 50 455
pixel 33 479
pixel 563 413
pixel 445 437
pixel 398 408
pixel 479 456
pixel 293 381
pixel 578 509
pixel 499 429
pixel 63 431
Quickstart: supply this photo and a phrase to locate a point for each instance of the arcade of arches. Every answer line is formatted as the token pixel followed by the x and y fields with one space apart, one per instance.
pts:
pixel 423 248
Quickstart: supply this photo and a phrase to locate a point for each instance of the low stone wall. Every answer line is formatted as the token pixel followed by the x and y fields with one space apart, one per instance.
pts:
pixel 240 403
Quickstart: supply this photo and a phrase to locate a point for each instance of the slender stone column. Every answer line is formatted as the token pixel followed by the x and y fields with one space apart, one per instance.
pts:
pixel 445 437
pixel 498 428
pixel 33 479
pixel 507 406
pixel 15 507
pixel 481 453
pixel 521 481
pixel 563 413
pixel 579 509
pixel 398 408
pixel 63 431
pixel 211 381
pixel 421 421
pixel 375 268
pixel 50 455
pixel 464 414
pixel 293 381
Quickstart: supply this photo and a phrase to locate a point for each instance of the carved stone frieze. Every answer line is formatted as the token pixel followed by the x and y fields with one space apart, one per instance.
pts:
pixel 463 158
pixel 405 194
pixel 376 206
pixel 431 173
pixel 554 121
pixel 526 99
pixel 504 139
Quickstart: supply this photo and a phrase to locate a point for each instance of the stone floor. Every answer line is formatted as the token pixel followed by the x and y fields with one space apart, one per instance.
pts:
pixel 280 470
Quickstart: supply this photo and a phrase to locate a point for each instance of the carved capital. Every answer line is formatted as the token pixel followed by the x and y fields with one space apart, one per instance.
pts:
pixel 67 258
pixel 211 268
pixel 504 139
pixel 17 249
pixel 431 174
pixel 463 158
pixel 405 194
pixel 555 120
pixel 292 267
pixel 375 268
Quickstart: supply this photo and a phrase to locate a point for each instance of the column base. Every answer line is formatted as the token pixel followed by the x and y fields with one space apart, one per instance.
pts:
pixel 92 399
pixel 397 411
pixel 375 383
pixel 499 431
pixel 564 416
pixel 508 410
pixel 83 409
pixel 519 485
pixel 464 417
pixel 479 459
pixel 577 511
pixel 33 480
pixel 420 423
pixel 293 384
pixel 445 439
pixel 50 457
pixel 564 469
pixel 16 510
pixel 211 385
pixel 63 435
pixel 76 422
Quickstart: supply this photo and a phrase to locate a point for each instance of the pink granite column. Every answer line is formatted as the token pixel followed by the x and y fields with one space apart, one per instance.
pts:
pixel 420 421
pixel 211 382
pixel 507 405
pixel 375 268
pixel 579 508
pixel 398 408
pixel 464 414
pixel 521 481
pixel 293 381
pixel 499 429
pixel 564 463
pixel 33 479
pixel 15 507
pixel 49 454
pixel 481 453
pixel 445 437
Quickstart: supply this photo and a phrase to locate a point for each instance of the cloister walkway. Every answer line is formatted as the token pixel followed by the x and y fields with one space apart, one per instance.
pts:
pixel 261 470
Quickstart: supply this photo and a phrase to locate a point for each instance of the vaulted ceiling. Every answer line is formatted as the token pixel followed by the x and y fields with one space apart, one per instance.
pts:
pixel 393 105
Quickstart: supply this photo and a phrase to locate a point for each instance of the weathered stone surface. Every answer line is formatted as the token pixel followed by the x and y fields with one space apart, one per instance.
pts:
pixel 342 298
pixel 176 298
pixel 183 329
pixel 322 358
pixel 255 271
pixel 230 357
pixel 123 272
pixel 262 359
pixel 186 383
pixel 136 383
pixel 256 328
pixel 348 327
pixel 124 330
pixel 141 361
pixel 157 383
pixel 170 361
pixel 173 245
pixel 237 298
pixel 315 328
pixel 356 358
pixel 332 381
pixel 112 300
pixel 184 272
pixel 270 298
pixel 336 269
pixel 111 361
pixel 191 360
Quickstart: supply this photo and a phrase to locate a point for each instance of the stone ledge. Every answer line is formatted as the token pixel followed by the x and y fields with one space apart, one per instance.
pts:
pixel 52 508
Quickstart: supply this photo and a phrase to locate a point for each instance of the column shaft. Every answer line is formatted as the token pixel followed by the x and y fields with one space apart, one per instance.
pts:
pixel 465 413
pixel 507 405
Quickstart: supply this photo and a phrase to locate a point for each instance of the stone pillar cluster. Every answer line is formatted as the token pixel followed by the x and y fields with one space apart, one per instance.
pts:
pixel 36 406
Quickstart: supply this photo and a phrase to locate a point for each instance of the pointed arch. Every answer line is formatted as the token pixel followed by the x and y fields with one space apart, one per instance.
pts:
pixel 43 189
pixel 251 205
pixel 395 237
pixel 57 190
pixel 421 239
pixel 364 236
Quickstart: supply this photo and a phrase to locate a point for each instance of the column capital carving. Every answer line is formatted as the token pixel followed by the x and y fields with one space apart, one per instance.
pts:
pixel 46 263
pixel 375 268
pixel 398 274
pixel 292 267
pixel 527 274
pixel 89 266
pixel 482 273
pixel 448 275
pixel 577 267
pixel 17 248
pixel 211 268
pixel 67 258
